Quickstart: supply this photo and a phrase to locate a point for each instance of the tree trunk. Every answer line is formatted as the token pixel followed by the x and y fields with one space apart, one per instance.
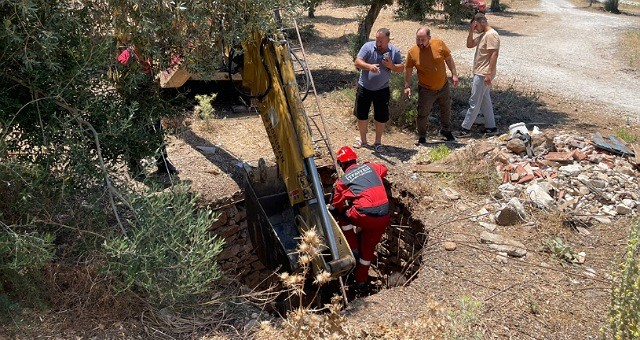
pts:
pixel 365 26
pixel 312 8
pixel 495 6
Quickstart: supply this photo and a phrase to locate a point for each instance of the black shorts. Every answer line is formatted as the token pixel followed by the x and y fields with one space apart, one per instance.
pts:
pixel 380 100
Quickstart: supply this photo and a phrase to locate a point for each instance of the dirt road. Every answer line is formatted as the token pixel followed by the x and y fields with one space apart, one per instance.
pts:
pixel 558 48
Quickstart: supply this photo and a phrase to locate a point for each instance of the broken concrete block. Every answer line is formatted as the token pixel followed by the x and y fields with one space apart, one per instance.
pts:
pixel 629 203
pixel 571 169
pixel 512 213
pixel 503 244
pixel 540 197
pixel 516 146
pixel 622 209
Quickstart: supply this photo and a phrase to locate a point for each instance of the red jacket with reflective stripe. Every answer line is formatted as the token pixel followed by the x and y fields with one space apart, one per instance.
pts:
pixel 361 186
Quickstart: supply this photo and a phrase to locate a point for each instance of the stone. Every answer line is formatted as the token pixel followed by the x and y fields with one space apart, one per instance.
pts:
pixel 540 197
pixel 450 246
pixel 222 218
pixel 571 169
pixel 602 219
pixel 600 184
pixel 489 226
pixel 512 213
pixel 583 190
pixel 451 194
pixel 516 146
pixel 502 257
pixel 622 209
pixel 253 323
pixel 609 210
pixel 503 244
pixel 580 257
pixel 629 203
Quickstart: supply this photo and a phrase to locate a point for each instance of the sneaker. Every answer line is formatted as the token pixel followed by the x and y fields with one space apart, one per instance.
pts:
pixel 421 141
pixel 447 135
pixel 490 131
pixel 463 133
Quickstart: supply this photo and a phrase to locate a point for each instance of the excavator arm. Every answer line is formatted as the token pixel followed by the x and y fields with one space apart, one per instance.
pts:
pixel 269 74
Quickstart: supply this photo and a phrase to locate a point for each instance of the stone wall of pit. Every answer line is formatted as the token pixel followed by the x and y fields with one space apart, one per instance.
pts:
pixel 238 258
pixel 400 250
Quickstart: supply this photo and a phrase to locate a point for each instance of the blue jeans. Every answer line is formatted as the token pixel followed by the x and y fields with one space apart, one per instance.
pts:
pixel 479 102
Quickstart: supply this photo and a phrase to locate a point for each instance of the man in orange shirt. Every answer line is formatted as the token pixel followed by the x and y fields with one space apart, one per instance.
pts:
pixel 429 56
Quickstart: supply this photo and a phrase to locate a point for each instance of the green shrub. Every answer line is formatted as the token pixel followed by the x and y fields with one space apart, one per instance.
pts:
pixel 439 152
pixel 168 255
pixel 402 110
pixel 624 312
pixel 627 136
pixel 204 108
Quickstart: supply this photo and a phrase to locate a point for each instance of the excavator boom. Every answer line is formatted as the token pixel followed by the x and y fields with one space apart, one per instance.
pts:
pixel 269 74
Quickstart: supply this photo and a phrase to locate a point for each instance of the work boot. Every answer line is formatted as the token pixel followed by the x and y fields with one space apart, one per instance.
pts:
pixel 165 167
pixel 447 135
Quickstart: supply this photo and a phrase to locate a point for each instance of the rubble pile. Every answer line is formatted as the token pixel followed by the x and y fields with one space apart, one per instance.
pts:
pixel 566 172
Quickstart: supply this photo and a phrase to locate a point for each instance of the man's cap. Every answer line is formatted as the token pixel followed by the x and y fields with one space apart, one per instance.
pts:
pixel 479 16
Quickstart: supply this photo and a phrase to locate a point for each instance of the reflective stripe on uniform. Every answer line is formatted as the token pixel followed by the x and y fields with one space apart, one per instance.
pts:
pixel 364 262
pixel 347 227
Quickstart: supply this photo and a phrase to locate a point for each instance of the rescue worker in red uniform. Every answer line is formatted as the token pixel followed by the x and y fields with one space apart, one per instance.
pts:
pixel 360 200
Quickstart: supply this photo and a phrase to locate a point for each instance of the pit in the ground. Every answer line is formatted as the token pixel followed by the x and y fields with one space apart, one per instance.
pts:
pixel 399 253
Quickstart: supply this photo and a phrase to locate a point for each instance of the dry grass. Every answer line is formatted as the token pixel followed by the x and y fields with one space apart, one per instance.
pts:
pixel 630 46
pixel 477 174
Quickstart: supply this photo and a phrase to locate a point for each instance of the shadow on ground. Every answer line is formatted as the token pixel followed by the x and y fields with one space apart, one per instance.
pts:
pixel 328 80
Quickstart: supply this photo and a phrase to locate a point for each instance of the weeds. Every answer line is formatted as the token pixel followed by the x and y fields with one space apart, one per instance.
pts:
pixel 627 136
pixel 204 109
pixel 477 177
pixel 563 251
pixel 402 110
pixel 631 45
pixel 304 322
pixel 624 312
pixel 462 321
pixel 439 152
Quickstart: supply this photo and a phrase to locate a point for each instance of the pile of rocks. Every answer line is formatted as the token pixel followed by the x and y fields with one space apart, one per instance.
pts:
pixel 568 173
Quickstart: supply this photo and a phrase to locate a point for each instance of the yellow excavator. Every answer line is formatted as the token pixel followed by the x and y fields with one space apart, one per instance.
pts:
pixel 284 202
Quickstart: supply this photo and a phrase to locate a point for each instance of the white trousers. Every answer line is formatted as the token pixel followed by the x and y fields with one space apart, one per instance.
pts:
pixel 479 102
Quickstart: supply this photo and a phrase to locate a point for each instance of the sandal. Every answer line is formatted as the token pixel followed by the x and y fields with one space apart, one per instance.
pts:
pixel 378 147
pixel 358 144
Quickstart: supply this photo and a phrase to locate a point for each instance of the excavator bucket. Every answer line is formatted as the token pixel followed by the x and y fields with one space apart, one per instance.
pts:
pixel 271 223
